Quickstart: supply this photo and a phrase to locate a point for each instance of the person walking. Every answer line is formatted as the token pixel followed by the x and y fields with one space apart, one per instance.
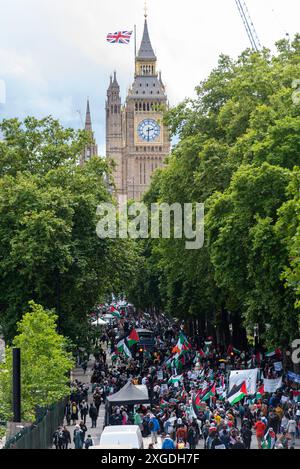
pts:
pixel 97 398
pixel 246 434
pixel 93 413
pixel 77 437
pixel 84 430
pixel 192 437
pixel 84 410
pixel 260 429
pixel 68 413
pixel 291 430
pixel 67 438
pixel 55 439
pixel 74 412
pixel 168 443
pixel 154 428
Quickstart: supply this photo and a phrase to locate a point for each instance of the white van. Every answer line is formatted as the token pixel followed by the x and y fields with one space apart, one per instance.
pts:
pixel 121 437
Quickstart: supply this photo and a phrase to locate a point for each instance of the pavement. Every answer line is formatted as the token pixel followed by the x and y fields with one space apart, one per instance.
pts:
pixel 95 433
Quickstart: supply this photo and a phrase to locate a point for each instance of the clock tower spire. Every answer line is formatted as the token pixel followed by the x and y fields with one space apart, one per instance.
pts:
pixel 145 139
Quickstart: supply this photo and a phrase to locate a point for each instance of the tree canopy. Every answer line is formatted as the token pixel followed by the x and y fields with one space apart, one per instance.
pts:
pixel 49 249
pixel 238 153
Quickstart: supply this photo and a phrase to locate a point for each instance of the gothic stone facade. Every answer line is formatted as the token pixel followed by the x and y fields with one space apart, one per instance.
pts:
pixel 136 138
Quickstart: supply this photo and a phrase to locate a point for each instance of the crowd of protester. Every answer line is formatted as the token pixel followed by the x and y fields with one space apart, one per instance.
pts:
pixel 269 421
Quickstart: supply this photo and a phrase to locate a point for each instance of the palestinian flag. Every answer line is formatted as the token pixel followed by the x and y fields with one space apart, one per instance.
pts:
pixel 269 440
pixel 114 356
pixel 231 350
pixel 175 379
pixel 208 393
pixel 260 392
pixel 169 362
pixel 201 353
pixel 237 393
pixel 115 312
pixel 179 362
pixel 296 396
pixel 133 338
pixel 197 404
pixel 163 404
pixel 273 353
pixel 182 345
pixel 122 347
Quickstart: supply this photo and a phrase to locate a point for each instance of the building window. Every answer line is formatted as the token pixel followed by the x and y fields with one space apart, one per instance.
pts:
pixel 144 172
pixel 160 148
pixel 145 149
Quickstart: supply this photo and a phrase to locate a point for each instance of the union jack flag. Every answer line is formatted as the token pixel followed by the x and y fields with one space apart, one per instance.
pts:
pixel 120 37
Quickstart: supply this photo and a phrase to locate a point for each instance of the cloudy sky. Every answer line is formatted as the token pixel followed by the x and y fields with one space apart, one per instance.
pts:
pixel 53 53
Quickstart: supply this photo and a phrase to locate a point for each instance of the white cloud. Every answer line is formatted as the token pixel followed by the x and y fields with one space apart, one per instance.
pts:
pixel 54 53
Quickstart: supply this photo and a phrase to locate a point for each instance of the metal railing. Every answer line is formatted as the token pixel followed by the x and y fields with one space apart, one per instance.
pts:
pixel 40 434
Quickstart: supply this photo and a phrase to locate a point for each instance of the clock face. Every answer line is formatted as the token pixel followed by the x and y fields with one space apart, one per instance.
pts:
pixel 149 130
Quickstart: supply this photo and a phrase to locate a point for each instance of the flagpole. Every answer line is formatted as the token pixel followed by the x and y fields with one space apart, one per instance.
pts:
pixel 135 41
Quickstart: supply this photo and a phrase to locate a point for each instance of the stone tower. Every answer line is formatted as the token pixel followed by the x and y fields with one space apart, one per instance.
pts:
pixel 114 142
pixel 138 141
pixel 92 148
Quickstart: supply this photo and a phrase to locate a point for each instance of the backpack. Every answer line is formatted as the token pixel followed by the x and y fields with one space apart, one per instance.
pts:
pixel 151 425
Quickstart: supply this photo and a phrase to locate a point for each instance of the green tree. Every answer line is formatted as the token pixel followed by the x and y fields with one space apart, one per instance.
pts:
pixel 49 250
pixel 45 364
pixel 238 143
pixel 288 230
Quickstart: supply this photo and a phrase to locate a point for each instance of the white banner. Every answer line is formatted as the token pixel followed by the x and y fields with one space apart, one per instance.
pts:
pixel 237 377
pixel 270 385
